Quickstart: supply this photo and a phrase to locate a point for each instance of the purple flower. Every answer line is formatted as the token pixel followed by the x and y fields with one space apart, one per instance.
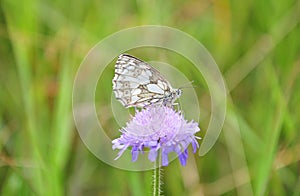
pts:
pixel 158 128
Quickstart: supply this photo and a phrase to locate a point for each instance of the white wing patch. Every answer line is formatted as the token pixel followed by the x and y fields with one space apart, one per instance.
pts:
pixel 138 84
pixel 155 88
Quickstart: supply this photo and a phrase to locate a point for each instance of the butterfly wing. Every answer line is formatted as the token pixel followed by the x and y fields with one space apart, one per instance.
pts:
pixel 138 84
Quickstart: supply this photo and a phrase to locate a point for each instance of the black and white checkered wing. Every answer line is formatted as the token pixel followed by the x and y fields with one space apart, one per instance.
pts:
pixel 138 84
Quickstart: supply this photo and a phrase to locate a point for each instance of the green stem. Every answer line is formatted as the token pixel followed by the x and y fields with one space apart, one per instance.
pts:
pixel 157 177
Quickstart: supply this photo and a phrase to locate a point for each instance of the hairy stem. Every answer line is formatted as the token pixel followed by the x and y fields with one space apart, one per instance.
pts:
pixel 157 177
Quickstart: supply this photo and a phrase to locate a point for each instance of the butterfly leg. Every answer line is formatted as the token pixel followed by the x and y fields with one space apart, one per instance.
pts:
pixel 175 104
pixel 179 106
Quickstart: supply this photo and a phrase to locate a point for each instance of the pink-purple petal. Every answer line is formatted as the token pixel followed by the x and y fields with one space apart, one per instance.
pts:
pixel 164 159
pixel 152 155
pixel 135 154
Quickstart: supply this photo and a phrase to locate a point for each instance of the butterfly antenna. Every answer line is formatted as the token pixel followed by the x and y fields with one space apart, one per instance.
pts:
pixel 187 85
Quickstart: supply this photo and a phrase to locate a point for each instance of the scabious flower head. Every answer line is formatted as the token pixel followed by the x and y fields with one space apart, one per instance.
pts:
pixel 158 128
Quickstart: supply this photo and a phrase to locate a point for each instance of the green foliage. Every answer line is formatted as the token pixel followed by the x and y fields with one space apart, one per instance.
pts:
pixel 255 43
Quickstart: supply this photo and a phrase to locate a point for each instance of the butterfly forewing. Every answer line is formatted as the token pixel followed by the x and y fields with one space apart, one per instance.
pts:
pixel 138 84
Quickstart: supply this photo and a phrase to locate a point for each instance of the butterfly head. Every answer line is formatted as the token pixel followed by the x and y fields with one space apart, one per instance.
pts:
pixel 171 98
pixel 178 92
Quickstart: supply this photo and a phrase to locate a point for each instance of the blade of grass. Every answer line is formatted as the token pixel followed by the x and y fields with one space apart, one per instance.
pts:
pixel 272 132
pixel 20 30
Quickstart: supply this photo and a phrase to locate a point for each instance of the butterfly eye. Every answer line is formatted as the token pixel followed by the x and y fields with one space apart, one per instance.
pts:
pixel 179 92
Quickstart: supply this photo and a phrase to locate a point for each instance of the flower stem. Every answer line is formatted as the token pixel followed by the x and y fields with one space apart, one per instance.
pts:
pixel 157 177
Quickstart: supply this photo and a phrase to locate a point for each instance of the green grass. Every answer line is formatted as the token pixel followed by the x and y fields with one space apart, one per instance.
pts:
pixel 255 43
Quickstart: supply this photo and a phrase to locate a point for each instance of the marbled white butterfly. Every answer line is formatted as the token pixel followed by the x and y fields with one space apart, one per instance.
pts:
pixel 138 84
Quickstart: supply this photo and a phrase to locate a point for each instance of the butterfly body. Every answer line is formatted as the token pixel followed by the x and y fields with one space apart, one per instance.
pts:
pixel 138 84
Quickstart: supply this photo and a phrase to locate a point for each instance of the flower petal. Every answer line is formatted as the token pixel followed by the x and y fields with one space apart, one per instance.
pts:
pixel 134 153
pixel 183 157
pixel 121 151
pixel 164 158
pixel 152 155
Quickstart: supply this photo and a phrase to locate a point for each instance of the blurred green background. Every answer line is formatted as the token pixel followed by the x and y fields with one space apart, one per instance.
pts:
pixel 255 43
